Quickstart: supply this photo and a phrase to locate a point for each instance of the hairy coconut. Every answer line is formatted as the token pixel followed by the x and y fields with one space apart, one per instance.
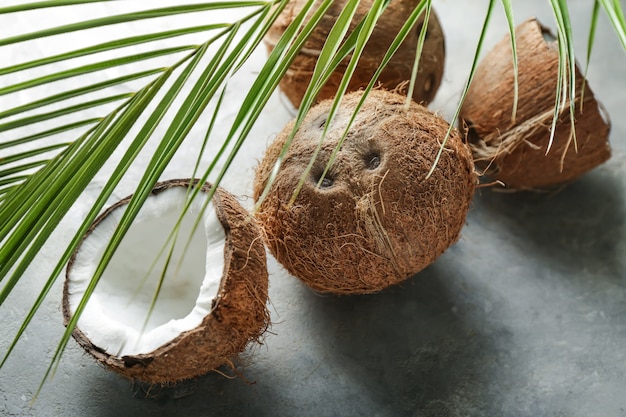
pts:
pixel 514 151
pixel 375 219
pixel 212 302
pixel 396 73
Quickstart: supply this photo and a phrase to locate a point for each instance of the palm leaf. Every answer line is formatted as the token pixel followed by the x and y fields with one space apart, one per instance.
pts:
pixel 615 13
pixel 100 145
pixel 508 10
pixel 566 72
pixel 30 120
pixel 39 185
pixel 110 46
pixel 470 77
pixel 74 72
pixel 66 95
pixel 45 4
pixel 124 18
pixel 590 42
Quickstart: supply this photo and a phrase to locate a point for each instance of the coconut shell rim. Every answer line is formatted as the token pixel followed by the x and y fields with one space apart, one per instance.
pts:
pixel 487 151
pixel 117 363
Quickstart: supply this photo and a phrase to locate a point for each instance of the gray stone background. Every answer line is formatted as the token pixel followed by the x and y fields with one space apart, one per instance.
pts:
pixel 524 316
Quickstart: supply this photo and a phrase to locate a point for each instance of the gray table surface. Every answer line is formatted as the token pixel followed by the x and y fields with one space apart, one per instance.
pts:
pixel 524 316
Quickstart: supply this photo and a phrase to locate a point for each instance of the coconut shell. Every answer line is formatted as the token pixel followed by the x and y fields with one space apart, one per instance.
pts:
pixel 238 315
pixel 376 219
pixel 397 72
pixel 514 152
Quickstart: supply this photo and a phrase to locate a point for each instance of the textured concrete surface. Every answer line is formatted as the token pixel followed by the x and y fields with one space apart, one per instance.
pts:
pixel 524 316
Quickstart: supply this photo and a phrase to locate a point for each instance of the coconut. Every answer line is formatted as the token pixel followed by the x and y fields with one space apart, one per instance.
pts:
pixel 212 302
pixel 396 73
pixel 516 152
pixel 375 218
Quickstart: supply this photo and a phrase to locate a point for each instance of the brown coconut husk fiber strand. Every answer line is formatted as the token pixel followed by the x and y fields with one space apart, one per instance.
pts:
pixel 238 316
pixel 376 220
pixel 397 71
pixel 516 152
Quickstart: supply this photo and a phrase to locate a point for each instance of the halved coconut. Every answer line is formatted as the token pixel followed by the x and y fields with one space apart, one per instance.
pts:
pixel 514 151
pixel 397 72
pixel 213 299
pixel 375 218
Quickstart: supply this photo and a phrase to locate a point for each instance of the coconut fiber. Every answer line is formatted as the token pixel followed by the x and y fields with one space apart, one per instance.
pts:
pixel 396 73
pixel 237 317
pixel 375 218
pixel 515 152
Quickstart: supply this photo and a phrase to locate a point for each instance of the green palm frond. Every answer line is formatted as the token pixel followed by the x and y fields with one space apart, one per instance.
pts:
pixel 508 11
pixel 73 133
pixel 615 13
pixel 29 213
pixel 566 82
pixel 470 77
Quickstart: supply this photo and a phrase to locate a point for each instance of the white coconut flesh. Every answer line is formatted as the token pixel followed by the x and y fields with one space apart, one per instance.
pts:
pixel 119 308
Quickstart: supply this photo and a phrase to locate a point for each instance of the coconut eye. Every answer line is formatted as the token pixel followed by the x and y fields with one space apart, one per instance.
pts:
pixel 372 160
pixel 472 135
pixel 326 183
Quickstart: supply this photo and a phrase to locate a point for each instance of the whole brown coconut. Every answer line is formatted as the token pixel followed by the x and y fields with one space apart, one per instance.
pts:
pixel 231 290
pixel 396 73
pixel 514 152
pixel 376 219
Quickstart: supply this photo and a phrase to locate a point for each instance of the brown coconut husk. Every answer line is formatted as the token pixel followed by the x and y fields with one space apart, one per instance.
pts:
pixel 377 220
pixel 397 71
pixel 238 315
pixel 516 152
